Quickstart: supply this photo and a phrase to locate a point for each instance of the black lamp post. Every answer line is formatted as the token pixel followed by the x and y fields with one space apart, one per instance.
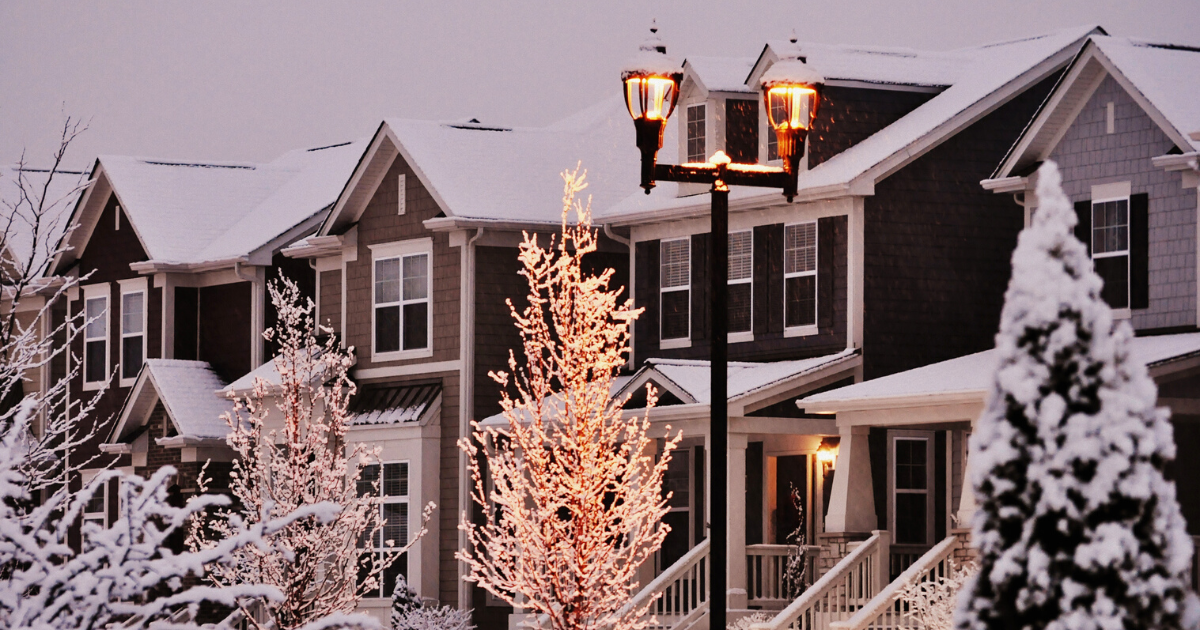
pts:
pixel 792 94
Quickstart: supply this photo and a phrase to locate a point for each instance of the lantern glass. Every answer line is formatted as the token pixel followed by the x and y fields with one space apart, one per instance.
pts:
pixel 650 98
pixel 791 106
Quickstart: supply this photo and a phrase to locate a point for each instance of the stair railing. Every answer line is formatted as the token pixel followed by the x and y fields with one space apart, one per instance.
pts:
pixel 887 609
pixel 678 594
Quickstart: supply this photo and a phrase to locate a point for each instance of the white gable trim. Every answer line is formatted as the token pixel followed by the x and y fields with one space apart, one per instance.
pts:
pixel 86 217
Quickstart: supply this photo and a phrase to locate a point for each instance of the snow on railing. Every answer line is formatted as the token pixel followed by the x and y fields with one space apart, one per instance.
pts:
pixel 847 587
pixel 765 569
pixel 680 594
pixel 887 609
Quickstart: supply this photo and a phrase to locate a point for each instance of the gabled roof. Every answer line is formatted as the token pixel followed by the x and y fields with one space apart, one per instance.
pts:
pixel 197 213
pixel 187 390
pixel 720 74
pixel 1163 79
pixel 970 378
pixel 498 176
pixel 869 64
pixel 60 198
pixel 990 76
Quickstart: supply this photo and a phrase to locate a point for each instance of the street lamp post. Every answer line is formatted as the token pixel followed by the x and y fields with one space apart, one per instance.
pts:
pixel 792 93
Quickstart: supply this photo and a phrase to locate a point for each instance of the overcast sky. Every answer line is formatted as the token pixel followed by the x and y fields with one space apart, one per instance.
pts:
pixel 250 80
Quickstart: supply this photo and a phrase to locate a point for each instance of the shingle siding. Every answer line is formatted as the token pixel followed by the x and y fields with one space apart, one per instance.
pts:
pixel 330 308
pixel 848 116
pixel 1088 155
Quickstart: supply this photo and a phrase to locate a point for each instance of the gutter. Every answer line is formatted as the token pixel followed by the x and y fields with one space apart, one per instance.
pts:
pixel 755 202
pixel 894 402
pixel 186 441
pixel 1005 184
pixel 450 224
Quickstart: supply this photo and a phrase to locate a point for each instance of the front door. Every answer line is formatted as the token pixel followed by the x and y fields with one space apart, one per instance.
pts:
pixel 910 495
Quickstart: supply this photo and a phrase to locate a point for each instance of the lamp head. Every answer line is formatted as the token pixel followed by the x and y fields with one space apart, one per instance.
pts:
pixel 792 91
pixel 650 83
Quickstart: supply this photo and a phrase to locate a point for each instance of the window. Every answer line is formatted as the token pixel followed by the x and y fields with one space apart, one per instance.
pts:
pixel 402 313
pixel 95 335
pixel 94 511
pixel 393 489
pixel 678 481
pixel 741 281
pixel 911 500
pixel 800 275
pixel 133 331
pixel 779 113
pixel 676 288
pixel 695 133
pixel 1110 249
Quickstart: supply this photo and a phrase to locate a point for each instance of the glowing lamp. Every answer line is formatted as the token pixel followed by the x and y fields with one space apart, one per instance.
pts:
pixel 651 85
pixel 792 92
pixel 827 455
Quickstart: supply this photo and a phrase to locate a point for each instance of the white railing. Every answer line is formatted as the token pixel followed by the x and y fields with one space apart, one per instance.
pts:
pixel 679 594
pixel 886 609
pixel 846 588
pixel 766 566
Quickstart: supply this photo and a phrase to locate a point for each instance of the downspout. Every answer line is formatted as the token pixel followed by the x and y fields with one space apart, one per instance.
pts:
pixel 256 313
pixel 628 242
pixel 466 387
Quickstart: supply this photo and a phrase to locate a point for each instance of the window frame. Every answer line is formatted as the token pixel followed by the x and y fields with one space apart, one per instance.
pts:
pixel 378 542
pixel 686 340
pixel 400 250
pixel 807 329
pixel 97 292
pixel 1121 311
pixel 702 138
pixel 100 517
pixel 742 335
pixel 930 489
pixel 130 287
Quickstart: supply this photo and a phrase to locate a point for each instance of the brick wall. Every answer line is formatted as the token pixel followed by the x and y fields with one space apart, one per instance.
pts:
pixel 1088 155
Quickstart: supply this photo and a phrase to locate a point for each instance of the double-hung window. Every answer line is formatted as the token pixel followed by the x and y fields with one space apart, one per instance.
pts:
pixel 800 277
pixel 695 133
pixel 95 336
pixel 741 282
pixel 402 312
pixel 1110 249
pixel 96 509
pixel 133 329
pixel 675 287
pixel 912 488
pixel 389 481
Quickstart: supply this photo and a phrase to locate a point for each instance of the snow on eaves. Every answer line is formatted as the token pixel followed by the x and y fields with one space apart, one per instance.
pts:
pixel 187 212
pixel 1168 76
pixel 722 74
pixel 972 374
pixel 870 64
pixel 188 391
pixel 59 200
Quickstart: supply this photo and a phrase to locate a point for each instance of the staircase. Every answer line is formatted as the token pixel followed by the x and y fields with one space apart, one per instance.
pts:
pixel 886 609
pixel 678 598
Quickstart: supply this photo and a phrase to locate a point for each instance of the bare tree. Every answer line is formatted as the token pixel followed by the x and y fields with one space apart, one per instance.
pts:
pixel 569 489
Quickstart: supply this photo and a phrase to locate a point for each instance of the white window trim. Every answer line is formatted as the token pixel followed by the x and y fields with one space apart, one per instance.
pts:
pixel 391 500
pixel 130 286
pixel 91 292
pixel 1103 193
pixel 687 126
pixel 102 516
pixel 399 249
pixel 930 481
pixel 745 335
pixel 812 329
pixel 675 342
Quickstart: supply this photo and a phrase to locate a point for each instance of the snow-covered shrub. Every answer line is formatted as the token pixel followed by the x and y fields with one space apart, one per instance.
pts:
pixel 1077 527
pixel 409 614
pixel 932 602
pixel 569 490
pixel 744 623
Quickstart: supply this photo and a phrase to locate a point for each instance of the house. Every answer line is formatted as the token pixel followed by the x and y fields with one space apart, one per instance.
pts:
pixel 173 259
pixel 891 258
pixel 414 263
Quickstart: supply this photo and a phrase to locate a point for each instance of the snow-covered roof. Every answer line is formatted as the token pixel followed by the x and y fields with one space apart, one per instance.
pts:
pixel 498 420
pixel 187 390
pixel 60 198
pixel 394 404
pixel 1168 76
pixel 721 74
pixel 971 377
pixel 199 212
pixel 980 78
pixel 268 372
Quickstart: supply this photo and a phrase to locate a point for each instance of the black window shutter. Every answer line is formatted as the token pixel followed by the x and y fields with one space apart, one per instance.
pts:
pixel 826 237
pixel 1139 251
pixel 775 278
pixel 741 130
pixel 700 244
pixel 1083 229
pixel 762 280
pixel 646 328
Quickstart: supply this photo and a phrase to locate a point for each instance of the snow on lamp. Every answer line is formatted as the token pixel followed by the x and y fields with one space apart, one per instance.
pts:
pixel 651 86
pixel 792 91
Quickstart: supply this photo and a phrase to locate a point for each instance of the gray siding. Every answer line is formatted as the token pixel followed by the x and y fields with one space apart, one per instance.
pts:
pixel 330 308
pixel 1087 155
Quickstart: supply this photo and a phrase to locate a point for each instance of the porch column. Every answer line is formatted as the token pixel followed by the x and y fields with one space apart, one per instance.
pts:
pixel 966 501
pixel 852 501
pixel 736 549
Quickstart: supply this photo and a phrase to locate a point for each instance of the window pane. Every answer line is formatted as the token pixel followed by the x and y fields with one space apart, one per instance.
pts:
pixel 675 314
pixel 741 255
pixel 132 305
pixel 676 263
pixel 97 327
pixel 368 476
pixel 416 326
pixel 1110 227
pixel 395 480
pixel 94 369
pixel 131 356
pixel 387 329
pixel 801 301
pixel 1114 270
pixel 96 503
pixel 399 567
pixel 395 528
pixel 800 248
pixel 416 277
pixel 387 281
pixel 910 465
pixel 739 307
pixel 910 519
pixel 676 478
pixel 676 543
pixel 695 133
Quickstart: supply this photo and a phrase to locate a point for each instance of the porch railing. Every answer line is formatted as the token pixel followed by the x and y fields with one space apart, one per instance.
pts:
pixel 766 568
pixel 903 556
pixel 846 588
pixel 679 594
pixel 886 610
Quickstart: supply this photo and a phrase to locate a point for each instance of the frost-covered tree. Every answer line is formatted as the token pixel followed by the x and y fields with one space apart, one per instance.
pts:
pixel 569 490
pixel 290 440
pixel 409 614
pixel 1077 528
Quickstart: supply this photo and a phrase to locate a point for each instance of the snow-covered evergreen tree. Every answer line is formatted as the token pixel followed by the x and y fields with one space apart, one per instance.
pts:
pixel 1076 528
pixel 409 614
